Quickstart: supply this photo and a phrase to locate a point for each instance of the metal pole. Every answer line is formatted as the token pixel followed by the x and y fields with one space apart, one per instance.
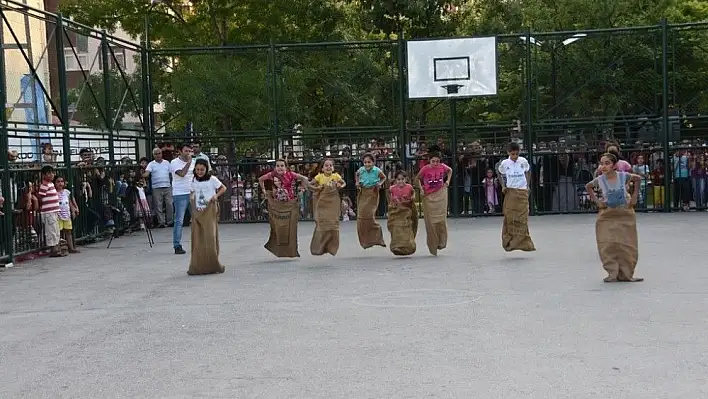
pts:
pixel 554 82
pixel 453 139
pixel 4 147
pixel 529 138
pixel 31 85
pixel 402 99
pixel 274 87
pixel 148 77
pixel 149 136
pixel 665 112
pixel 63 98
pixel 107 97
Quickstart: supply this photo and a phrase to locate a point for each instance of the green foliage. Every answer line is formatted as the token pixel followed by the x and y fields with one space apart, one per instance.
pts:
pixel 232 94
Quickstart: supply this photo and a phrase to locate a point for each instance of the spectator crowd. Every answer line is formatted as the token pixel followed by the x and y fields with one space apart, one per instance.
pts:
pixel 113 199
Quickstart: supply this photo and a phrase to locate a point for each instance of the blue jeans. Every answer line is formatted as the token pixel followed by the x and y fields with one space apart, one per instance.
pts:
pixel 181 202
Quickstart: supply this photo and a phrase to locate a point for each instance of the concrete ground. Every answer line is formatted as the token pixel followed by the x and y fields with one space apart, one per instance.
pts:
pixel 474 322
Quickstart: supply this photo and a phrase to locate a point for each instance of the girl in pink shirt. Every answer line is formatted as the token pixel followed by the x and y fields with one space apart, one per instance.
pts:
pixel 621 165
pixel 435 178
pixel 283 181
pixel 402 216
pixel 401 192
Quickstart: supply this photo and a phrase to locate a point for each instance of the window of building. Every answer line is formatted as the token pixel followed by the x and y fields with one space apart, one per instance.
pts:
pixel 75 63
pixel 119 61
pixel 81 43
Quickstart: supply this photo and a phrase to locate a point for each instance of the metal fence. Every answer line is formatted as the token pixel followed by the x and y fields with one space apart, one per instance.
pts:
pixel 562 96
pixel 72 97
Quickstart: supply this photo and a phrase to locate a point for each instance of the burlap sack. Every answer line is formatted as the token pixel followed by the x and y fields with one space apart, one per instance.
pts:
pixel 403 226
pixel 368 230
pixel 435 216
pixel 205 240
pixel 617 242
pixel 327 209
pixel 283 217
pixel 515 230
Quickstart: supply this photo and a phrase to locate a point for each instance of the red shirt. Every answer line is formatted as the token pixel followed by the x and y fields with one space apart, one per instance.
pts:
pixel 433 177
pixel 48 198
pixel 287 182
pixel 401 193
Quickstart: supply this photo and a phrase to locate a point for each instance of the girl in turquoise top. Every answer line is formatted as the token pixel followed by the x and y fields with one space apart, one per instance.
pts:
pixel 369 175
pixel 369 180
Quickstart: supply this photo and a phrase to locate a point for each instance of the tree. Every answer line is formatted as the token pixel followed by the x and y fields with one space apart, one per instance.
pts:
pixel 237 94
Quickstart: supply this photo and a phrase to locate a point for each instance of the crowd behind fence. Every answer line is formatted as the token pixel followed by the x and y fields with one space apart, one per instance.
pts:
pixel 307 101
pixel 107 199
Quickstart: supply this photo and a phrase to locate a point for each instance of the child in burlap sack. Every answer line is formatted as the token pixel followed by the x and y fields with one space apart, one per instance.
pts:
pixel 283 209
pixel 616 226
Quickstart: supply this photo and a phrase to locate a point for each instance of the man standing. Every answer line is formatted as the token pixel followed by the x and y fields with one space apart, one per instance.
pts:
pixel 198 154
pixel 159 172
pixel 182 169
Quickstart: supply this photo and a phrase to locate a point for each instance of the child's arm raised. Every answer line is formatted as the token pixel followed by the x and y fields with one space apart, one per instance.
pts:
pixel 262 179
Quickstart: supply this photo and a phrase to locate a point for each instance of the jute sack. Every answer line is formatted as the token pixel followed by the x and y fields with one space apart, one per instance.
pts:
pixel 283 217
pixel 368 230
pixel 403 225
pixel 205 240
pixel 435 216
pixel 617 242
pixel 515 230
pixel 327 209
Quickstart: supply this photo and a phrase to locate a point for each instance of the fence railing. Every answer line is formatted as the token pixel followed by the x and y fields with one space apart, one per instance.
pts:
pixel 69 88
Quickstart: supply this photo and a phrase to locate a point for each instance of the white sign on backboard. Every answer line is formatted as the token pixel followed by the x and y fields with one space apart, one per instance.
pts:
pixel 452 68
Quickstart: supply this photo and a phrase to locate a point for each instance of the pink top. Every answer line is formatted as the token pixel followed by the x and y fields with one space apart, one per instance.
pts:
pixel 624 166
pixel 433 177
pixel 401 194
pixel 620 166
pixel 287 183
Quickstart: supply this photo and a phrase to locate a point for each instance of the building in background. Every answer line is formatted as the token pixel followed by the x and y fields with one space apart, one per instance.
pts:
pixel 26 106
pixel 82 57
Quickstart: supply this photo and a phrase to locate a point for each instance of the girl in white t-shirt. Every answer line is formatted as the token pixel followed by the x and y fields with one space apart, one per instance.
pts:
pixel 206 190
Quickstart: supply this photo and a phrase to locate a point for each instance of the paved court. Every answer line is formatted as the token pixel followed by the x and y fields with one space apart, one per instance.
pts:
pixel 474 322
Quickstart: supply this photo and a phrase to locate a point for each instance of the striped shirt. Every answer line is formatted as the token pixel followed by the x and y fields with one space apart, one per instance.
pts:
pixel 48 198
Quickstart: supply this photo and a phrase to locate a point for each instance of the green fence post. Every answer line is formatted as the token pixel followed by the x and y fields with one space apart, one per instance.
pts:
pixel 63 99
pixel 529 138
pixel 453 139
pixel 149 135
pixel 4 147
pixel 107 97
pixel 150 117
pixel 274 92
pixel 665 112
pixel 402 99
